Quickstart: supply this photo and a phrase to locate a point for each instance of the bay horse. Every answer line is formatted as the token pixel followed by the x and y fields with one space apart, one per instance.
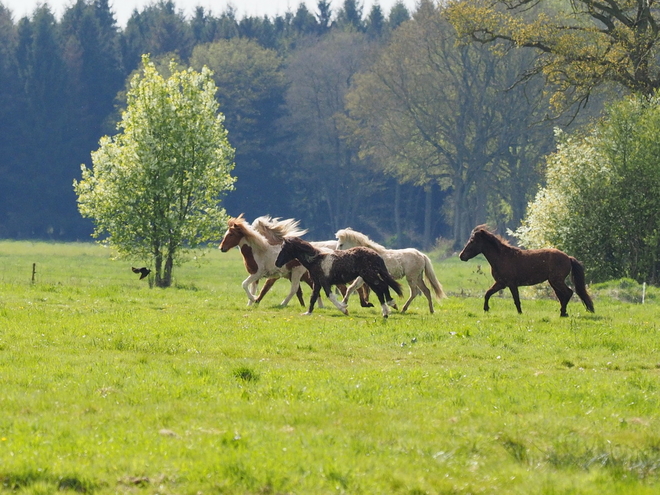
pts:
pixel 513 267
pixel 259 256
pixel 409 263
pixel 340 267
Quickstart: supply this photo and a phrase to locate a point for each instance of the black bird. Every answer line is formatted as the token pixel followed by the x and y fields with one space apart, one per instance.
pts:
pixel 144 271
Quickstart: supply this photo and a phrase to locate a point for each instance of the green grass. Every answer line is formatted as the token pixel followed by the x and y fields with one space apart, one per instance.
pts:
pixel 107 386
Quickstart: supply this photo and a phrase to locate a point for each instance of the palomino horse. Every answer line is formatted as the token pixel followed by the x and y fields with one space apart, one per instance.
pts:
pixel 513 267
pixel 259 256
pixel 409 263
pixel 340 267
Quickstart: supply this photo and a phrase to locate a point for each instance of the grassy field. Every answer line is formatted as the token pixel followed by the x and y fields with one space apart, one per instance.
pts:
pixel 108 386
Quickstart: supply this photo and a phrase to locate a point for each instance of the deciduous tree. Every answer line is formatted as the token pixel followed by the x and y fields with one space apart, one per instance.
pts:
pixel 251 89
pixel 431 112
pixel 581 45
pixel 602 196
pixel 154 190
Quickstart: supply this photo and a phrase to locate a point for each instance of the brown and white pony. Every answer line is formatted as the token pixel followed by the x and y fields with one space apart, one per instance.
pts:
pixel 340 267
pixel 513 267
pixel 259 256
pixel 409 263
pixel 276 230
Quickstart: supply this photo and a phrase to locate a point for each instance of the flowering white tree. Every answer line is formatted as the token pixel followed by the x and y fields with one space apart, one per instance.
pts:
pixel 602 196
pixel 154 190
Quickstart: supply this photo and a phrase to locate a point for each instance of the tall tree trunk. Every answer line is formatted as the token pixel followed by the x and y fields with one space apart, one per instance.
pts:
pixel 167 276
pixel 397 213
pixel 158 267
pixel 461 226
pixel 428 215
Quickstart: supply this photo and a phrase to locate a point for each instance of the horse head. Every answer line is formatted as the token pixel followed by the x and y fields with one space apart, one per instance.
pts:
pixel 348 238
pixel 286 254
pixel 235 232
pixel 474 245
pixel 482 239
pixel 295 248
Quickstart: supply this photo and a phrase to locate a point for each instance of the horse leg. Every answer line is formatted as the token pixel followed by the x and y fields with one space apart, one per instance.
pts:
pixel 414 292
pixel 247 283
pixel 254 287
pixel 264 290
pixel 364 297
pixel 316 290
pixel 516 297
pixel 497 286
pixel 357 283
pixel 308 279
pixel 427 292
pixel 299 295
pixel 564 294
pixel 340 305
pixel 296 275
pixel 382 291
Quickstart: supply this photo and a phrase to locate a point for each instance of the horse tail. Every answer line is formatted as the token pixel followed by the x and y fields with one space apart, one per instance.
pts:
pixel 387 278
pixel 433 280
pixel 396 286
pixel 577 276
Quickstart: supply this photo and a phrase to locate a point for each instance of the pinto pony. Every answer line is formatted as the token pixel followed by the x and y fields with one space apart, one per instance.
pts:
pixel 409 263
pixel 513 267
pixel 259 256
pixel 340 267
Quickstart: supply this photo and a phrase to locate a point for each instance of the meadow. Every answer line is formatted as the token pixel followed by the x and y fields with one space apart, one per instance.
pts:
pixel 109 386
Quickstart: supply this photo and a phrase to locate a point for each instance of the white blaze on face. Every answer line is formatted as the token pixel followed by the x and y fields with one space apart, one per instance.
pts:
pixel 326 265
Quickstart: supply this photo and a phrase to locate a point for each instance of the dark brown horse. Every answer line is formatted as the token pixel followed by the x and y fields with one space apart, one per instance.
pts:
pixel 513 267
pixel 340 267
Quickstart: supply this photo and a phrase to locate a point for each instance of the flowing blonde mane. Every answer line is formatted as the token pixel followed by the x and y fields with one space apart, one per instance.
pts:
pixel 358 239
pixel 276 230
pixel 253 237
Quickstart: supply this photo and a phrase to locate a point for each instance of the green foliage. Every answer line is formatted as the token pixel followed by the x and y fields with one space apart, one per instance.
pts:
pixel 581 46
pixel 602 196
pixel 432 111
pixel 251 88
pixel 109 387
pixel 155 188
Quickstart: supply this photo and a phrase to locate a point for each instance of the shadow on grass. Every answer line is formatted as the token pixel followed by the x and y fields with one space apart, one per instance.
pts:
pixel 19 481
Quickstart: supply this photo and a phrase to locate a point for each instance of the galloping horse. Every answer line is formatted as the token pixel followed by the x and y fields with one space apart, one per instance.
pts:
pixel 340 267
pixel 513 267
pixel 259 256
pixel 275 230
pixel 409 263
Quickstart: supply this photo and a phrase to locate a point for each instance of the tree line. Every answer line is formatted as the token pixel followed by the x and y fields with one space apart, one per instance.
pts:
pixel 382 121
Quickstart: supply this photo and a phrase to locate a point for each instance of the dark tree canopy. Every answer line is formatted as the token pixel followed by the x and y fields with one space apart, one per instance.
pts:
pixel 582 46
pixel 63 85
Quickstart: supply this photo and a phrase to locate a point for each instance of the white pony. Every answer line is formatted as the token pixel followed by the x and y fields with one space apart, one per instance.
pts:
pixel 409 263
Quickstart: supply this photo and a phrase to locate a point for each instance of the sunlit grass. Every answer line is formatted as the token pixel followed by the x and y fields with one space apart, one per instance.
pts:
pixel 108 386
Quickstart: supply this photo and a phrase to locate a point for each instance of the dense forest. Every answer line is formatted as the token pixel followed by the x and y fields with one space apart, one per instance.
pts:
pixel 375 120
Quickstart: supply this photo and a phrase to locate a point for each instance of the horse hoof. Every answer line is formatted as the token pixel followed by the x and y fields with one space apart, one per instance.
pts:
pixel 306 313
